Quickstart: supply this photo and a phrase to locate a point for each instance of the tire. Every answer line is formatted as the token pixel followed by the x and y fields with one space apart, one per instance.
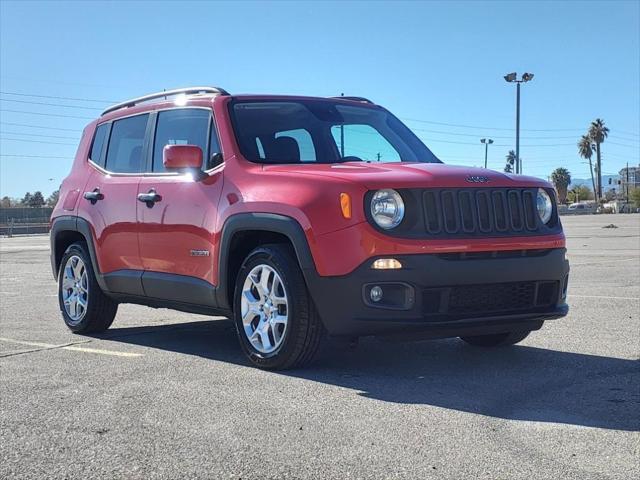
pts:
pixel 98 311
pixel 496 340
pixel 270 340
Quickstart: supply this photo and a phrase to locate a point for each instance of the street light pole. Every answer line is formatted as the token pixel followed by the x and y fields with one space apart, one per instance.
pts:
pixel 627 202
pixel 513 78
pixel 518 162
pixel 487 142
pixel 342 136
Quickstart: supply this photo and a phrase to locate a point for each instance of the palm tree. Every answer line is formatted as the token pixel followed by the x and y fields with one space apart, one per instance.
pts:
pixel 511 161
pixel 585 150
pixel 598 132
pixel 561 179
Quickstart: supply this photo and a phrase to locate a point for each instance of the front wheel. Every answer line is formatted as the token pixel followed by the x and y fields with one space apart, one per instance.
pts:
pixel 496 340
pixel 276 321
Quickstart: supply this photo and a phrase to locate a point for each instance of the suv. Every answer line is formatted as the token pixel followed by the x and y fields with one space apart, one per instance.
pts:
pixel 299 218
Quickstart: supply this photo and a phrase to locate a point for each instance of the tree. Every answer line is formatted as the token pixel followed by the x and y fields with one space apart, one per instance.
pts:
pixel 580 194
pixel 37 200
pixel 597 133
pixel 634 196
pixel 53 198
pixel 561 179
pixel 6 202
pixel 585 150
pixel 511 161
pixel 610 195
pixel 26 200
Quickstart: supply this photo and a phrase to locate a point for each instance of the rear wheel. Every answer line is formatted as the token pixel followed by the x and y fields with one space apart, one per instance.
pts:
pixel 276 321
pixel 496 340
pixel 85 308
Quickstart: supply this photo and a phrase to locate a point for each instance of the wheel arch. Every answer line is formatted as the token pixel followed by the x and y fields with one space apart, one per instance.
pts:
pixel 66 230
pixel 242 233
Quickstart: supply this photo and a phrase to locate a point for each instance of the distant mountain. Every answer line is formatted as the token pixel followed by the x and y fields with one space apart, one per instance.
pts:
pixel 576 182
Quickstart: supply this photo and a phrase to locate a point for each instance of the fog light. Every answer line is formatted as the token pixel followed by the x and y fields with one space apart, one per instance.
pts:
pixel 376 294
pixel 386 264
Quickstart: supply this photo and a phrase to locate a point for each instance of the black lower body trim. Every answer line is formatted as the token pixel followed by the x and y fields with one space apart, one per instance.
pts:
pixel 163 290
pixel 442 297
pixel 179 288
pixel 127 282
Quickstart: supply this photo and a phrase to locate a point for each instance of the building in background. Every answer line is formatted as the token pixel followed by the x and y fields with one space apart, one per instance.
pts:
pixel 629 177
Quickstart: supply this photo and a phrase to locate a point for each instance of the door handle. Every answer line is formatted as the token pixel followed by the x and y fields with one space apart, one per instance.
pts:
pixel 150 198
pixel 93 196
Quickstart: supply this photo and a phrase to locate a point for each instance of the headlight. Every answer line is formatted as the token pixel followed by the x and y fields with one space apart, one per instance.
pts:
pixel 545 206
pixel 387 208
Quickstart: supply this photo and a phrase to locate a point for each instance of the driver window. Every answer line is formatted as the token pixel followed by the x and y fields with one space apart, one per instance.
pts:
pixel 188 126
pixel 305 144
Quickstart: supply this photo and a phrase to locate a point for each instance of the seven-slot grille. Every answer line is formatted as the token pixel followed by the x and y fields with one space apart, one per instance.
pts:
pixel 481 211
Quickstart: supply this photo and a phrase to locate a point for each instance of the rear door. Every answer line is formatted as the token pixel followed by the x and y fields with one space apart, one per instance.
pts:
pixel 176 232
pixel 109 202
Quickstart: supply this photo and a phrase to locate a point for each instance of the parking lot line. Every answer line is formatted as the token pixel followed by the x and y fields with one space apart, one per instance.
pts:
pixel 604 296
pixel 103 352
pixel 599 262
pixel 70 346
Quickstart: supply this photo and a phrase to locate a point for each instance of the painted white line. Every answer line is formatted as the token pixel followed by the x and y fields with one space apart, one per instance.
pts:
pixel 36 344
pixel 103 352
pixel 23 248
pixel 599 263
pixel 70 346
pixel 603 296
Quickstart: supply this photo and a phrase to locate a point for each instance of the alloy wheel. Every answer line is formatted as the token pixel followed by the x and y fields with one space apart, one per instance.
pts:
pixel 264 309
pixel 75 289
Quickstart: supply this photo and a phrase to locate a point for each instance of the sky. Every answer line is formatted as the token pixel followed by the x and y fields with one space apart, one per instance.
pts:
pixel 438 66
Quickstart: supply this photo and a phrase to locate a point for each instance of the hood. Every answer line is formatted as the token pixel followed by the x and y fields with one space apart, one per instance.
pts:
pixel 410 175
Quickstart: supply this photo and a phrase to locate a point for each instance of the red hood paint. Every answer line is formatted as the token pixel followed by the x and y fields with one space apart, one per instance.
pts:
pixel 409 175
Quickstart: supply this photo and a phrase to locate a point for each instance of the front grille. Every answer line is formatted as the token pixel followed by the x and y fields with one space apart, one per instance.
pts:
pixel 540 252
pixel 487 211
pixel 467 301
pixel 490 298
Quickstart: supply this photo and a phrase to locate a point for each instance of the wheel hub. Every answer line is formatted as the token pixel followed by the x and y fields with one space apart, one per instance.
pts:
pixel 74 289
pixel 264 309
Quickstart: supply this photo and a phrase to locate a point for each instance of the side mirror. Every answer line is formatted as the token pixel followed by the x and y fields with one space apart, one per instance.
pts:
pixel 182 157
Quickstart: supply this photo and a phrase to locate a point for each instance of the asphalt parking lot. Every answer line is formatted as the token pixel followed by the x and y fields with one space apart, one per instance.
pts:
pixel 169 395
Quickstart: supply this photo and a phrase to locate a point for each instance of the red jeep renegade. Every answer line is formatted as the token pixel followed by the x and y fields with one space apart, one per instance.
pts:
pixel 299 217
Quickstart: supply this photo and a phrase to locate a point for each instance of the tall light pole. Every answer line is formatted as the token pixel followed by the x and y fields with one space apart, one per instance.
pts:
pixel 487 142
pixel 513 78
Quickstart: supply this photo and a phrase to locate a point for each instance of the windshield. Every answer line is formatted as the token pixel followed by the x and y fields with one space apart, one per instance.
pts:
pixel 323 131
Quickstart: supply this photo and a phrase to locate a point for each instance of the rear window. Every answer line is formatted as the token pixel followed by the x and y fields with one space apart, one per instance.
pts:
pixel 124 154
pixel 98 142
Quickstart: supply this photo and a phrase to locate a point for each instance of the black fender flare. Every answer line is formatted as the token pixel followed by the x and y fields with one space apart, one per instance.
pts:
pixel 268 222
pixel 70 223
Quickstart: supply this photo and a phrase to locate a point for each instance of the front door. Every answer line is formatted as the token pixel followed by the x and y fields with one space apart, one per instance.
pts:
pixel 176 230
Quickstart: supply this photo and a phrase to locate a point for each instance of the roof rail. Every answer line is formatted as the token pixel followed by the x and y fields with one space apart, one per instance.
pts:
pixel 167 93
pixel 355 99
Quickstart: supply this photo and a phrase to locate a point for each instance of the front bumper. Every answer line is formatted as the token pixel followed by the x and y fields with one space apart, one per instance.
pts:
pixel 446 295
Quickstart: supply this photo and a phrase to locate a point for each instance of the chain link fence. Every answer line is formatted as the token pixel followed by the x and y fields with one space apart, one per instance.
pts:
pixel 24 221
